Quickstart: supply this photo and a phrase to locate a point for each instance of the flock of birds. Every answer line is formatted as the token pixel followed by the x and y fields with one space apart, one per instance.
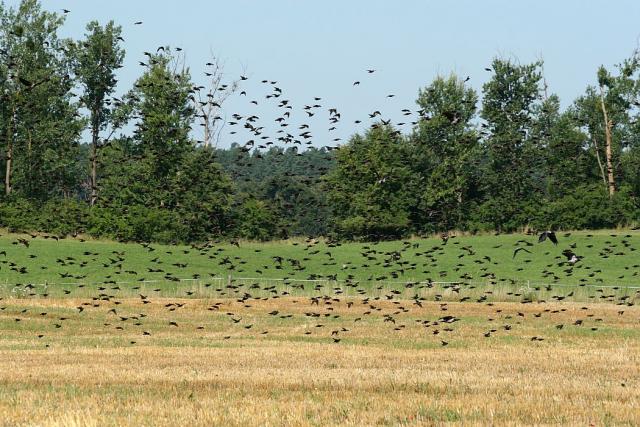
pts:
pixel 393 306
pixel 251 130
pixel 233 302
pixel 218 92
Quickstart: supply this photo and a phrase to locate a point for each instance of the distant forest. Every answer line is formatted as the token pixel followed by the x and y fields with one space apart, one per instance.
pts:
pixel 75 158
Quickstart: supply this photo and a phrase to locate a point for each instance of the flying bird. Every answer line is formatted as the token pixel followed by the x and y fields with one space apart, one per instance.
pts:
pixel 548 234
pixel 518 250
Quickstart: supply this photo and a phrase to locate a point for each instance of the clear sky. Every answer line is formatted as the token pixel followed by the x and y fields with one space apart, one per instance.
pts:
pixel 320 48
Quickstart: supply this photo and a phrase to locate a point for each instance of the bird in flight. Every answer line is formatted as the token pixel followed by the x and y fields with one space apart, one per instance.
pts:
pixel 518 250
pixel 548 234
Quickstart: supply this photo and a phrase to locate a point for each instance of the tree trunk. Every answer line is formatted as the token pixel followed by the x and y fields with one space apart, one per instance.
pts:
pixel 7 175
pixel 597 150
pixel 30 178
pixel 9 153
pixel 94 159
pixel 207 132
pixel 608 155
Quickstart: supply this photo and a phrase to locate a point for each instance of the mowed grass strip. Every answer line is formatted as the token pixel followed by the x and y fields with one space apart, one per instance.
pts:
pixel 210 370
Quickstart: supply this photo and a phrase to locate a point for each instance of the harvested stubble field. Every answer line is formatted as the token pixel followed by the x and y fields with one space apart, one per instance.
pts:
pixel 208 370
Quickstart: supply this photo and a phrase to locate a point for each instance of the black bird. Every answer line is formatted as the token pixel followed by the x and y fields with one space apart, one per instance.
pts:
pixel 548 234
pixel 572 258
pixel 518 250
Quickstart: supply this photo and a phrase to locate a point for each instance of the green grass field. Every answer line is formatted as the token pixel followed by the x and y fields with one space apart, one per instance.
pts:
pixel 609 259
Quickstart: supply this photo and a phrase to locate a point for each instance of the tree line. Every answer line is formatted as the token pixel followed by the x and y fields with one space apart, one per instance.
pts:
pixel 513 159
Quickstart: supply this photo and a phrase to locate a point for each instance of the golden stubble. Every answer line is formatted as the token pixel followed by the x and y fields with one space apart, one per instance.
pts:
pixel 91 375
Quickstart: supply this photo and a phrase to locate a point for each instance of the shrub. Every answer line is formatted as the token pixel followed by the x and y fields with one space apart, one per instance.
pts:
pixel 19 215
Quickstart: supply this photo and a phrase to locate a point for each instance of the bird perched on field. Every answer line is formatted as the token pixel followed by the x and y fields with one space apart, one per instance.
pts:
pixel 572 258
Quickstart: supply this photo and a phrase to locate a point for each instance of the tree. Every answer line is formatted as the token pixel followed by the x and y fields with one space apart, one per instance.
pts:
pixel 566 164
pixel 159 172
pixel 606 115
pixel 444 145
pixel 41 127
pixel 161 99
pixel 288 181
pixel 204 195
pixel 254 220
pixel 97 59
pixel 298 203
pixel 208 105
pixel 511 99
pixel 369 189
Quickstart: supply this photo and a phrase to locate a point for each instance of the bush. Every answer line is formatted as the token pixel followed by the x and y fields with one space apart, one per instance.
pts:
pixel 154 225
pixel 63 217
pixel 503 215
pixel 109 223
pixel 588 207
pixel 255 221
pixel 19 216
pixel 379 224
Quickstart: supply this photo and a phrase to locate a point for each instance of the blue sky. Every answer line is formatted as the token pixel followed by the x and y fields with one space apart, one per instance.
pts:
pixel 320 48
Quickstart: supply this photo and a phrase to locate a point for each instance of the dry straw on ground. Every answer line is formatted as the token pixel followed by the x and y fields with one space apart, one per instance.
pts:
pixel 92 375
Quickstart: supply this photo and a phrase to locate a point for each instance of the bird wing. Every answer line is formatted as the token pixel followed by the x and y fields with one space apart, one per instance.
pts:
pixel 542 237
pixel 518 250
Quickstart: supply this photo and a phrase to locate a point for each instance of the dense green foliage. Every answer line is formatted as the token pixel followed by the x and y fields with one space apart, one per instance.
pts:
pixel 517 160
pixel 526 165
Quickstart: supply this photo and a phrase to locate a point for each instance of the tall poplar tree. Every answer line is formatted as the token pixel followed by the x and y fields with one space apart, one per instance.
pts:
pixel 41 126
pixel 510 102
pixel 97 58
pixel 444 147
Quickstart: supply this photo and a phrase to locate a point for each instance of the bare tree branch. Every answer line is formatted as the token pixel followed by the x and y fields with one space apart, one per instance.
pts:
pixel 209 101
